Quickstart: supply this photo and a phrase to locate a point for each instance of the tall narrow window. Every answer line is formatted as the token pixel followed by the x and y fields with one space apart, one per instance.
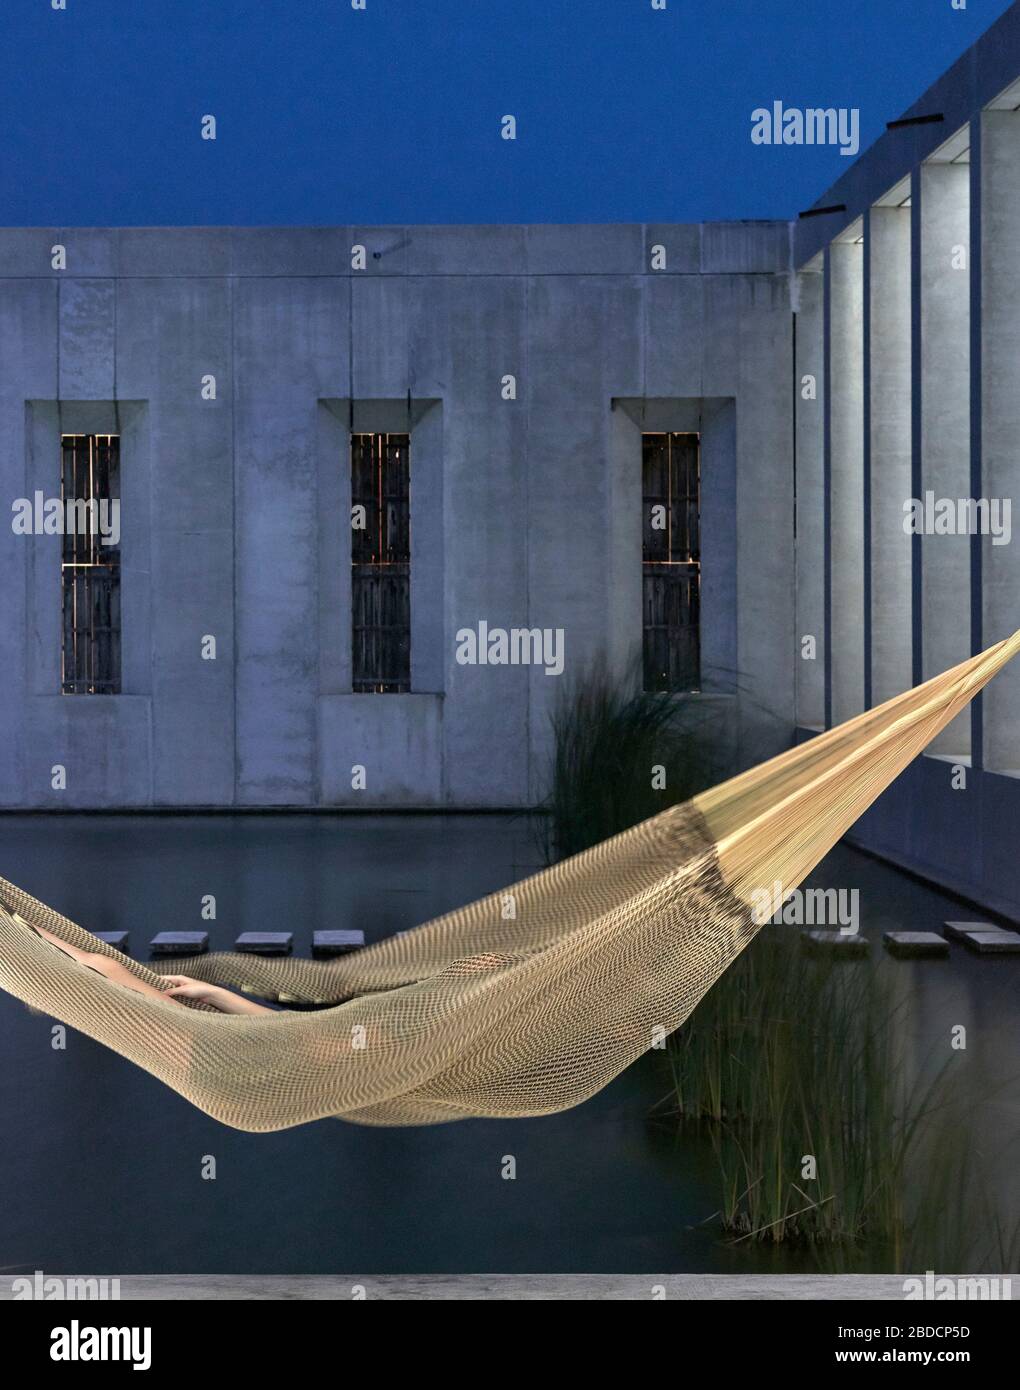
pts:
pixel 90 569
pixel 671 556
pixel 381 563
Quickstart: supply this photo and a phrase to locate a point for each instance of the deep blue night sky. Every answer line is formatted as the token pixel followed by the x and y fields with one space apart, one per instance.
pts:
pixel 330 115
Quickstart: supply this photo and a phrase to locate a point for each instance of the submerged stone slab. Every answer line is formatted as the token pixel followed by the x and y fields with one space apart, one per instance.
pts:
pixel 958 930
pixel 993 942
pixel 179 943
pixel 265 943
pixel 336 943
pixel 837 943
pixel 915 943
pixel 117 939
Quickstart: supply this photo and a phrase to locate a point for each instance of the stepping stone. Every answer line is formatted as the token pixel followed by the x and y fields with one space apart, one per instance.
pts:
pixel 179 943
pixel 336 943
pixel 993 942
pixel 915 943
pixel 265 943
pixel 959 931
pixel 117 939
pixel 847 945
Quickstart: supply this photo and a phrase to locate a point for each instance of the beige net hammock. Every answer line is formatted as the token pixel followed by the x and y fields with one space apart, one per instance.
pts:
pixel 480 1013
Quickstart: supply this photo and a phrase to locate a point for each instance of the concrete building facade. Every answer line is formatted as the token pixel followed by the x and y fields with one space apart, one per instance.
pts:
pixel 908 273
pixel 524 362
pixel 833 368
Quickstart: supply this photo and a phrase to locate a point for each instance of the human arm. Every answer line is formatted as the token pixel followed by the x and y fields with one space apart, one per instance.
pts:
pixel 184 987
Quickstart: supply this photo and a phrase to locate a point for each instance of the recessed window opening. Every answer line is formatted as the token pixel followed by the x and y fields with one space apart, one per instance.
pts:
pixel 381 563
pixel 90 565
pixel 671 561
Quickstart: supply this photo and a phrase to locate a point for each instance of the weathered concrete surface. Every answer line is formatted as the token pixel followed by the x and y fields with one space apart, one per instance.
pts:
pixel 939 204
pixel 524 511
pixel 846 475
pixel 1000 417
pixel 909 944
pixel 979 76
pixel 945 425
pixel 557 1288
pixel 992 943
pixel 890 450
pixel 963 838
pixel 809 392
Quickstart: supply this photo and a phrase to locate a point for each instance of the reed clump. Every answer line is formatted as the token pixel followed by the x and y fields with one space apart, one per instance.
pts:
pixel 622 754
pixel 793 1069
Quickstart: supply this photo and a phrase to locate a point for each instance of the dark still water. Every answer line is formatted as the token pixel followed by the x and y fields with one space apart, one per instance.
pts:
pixel 101 1167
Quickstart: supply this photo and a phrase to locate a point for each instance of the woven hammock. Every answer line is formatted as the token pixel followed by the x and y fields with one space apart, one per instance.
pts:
pixel 480 1013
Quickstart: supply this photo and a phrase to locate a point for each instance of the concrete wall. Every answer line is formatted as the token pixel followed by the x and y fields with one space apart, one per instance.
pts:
pixel 524 512
pixel 809 392
pixel 846 479
pixel 888 364
pixel 939 206
pixel 1000 417
pixel 944 212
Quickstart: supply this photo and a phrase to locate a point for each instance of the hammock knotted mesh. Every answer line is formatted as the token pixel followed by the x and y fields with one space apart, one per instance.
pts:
pixel 483 1014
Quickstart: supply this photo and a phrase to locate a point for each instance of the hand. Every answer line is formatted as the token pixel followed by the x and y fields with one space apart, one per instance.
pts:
pixel 184 987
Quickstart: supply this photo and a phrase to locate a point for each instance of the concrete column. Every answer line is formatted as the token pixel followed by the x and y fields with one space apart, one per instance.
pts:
pixel 809 399
pixel 846 478
pixel 29 353
pixel 888 252
pixel 1000 416
pixel 945 426
pixel 290 352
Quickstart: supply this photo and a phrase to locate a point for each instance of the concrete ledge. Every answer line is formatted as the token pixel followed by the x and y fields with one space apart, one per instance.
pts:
pixel 524 1287
pixel 845 945
pixel 907 944
pixel 265 943
pixel 482 250
pixel 742 247
pixel 992 943
pixel 336 943
pixel 613 249
pixel 292 251
pixel 954 931
pixel 682 244
pixel 27 251
pixel 179 943
pixel 958 931
pixel 202 251
pixel 969 855
pixel 984 937
pixel 519 249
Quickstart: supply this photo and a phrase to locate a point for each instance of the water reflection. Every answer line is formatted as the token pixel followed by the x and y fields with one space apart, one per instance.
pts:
pixel 102 1166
